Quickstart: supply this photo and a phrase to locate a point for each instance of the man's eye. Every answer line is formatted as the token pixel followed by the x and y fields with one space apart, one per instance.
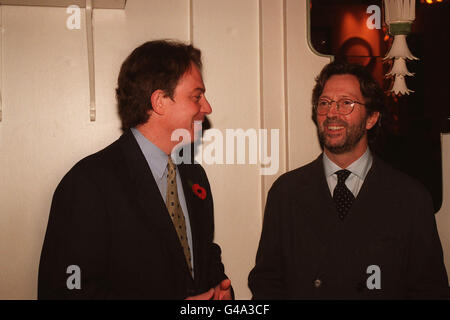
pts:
pixel 346 102
pixel 323 103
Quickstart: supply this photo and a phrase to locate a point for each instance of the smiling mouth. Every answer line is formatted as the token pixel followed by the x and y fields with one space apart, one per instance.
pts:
pixel 335 128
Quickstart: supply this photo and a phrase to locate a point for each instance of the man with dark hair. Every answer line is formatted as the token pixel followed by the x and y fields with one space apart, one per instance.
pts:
pixel 126 222
pixel 347 225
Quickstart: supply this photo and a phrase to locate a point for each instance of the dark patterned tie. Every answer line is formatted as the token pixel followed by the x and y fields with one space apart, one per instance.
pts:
pixel 343 198
pixel 175 211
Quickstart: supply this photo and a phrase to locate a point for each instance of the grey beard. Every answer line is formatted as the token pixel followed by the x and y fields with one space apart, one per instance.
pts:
pixel 354 135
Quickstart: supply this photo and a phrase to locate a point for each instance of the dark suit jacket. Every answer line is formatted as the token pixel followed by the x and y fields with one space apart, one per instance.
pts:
pixel 307 252
pixel 108 218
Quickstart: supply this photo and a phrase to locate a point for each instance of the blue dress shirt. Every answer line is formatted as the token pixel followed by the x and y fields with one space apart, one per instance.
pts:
pixel 157 161
pixel 358 169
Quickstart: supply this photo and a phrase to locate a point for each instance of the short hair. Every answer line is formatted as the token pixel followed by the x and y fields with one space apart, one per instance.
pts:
pixel 372 93
pixel 155 65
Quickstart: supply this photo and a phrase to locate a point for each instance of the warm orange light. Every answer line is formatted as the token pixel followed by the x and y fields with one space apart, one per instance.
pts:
pixel 429 1
pixel 439 0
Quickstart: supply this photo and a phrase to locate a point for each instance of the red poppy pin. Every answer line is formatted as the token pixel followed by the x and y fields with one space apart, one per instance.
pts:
pixel 199 191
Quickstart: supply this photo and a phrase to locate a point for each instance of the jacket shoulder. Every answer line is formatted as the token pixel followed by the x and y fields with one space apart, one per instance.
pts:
pixel 298 178
pixel 395 179
pixel 96 164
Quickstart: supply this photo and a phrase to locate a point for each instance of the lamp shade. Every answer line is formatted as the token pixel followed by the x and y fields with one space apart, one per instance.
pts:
pixel 399 86
pixel 400 49
pixel 399 68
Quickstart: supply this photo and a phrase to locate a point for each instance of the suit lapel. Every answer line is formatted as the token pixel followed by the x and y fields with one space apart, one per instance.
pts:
pixel 317 204
pixel 153 210
pixel 363 217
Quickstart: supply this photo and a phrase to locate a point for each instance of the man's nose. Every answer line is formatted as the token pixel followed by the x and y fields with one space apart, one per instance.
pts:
pixel 333 110
pixel 206 107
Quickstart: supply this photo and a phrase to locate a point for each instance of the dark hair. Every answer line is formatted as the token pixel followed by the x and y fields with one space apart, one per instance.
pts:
pixel 152 66
pixel 371 91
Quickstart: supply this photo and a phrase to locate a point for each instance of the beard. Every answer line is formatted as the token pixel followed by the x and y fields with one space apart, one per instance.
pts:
pixel 352 135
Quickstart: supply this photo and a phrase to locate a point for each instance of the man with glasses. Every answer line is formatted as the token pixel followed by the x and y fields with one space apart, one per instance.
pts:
pixel 347 225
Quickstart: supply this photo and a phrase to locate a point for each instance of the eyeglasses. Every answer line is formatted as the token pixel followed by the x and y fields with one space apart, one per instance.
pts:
pixel 344 106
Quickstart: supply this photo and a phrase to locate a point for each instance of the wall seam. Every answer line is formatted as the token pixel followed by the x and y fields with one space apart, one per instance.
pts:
pixel 261 95
pixel 1 63
pixel 285 87
pixel 191 22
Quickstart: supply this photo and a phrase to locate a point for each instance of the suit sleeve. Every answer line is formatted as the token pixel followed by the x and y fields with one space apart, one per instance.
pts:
pixel 75 244
pixel 426 274
pixel 216 268
pixel 265 279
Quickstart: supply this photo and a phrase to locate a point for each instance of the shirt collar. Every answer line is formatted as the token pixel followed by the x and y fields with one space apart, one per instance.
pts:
pixel 360 167
pixel 156 158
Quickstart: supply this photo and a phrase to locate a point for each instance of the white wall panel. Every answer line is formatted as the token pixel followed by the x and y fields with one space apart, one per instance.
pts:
pixel 227 32
pixel 46 127
pixel 302 67
pixel 44 101
pixel 273 80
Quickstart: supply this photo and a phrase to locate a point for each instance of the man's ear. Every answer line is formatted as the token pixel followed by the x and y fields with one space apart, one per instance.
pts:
pixel 158 99
pixel 372 120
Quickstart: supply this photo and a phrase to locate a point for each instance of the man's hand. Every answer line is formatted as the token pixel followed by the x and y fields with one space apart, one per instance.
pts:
pixel 220 292
pixel 223 290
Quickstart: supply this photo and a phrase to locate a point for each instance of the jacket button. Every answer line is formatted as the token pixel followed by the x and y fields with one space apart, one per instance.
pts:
pixel 317 283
